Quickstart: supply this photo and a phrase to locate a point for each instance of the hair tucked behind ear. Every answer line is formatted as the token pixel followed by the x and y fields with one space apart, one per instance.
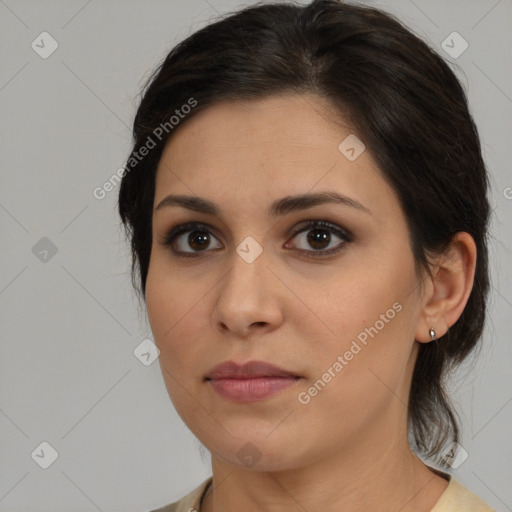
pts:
pixel 402 100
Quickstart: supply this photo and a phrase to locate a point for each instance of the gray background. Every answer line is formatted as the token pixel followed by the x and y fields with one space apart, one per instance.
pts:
pixel 70 322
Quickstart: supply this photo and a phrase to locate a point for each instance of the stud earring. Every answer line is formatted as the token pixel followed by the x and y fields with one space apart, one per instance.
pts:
pixel 432 334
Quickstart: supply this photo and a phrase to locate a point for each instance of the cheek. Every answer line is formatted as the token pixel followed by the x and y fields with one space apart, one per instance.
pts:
pixel 371 318
pixel 353 302
pixel 170 312
pixel 376 357
pixel 177 313
pixel 169 307
pixel 360 376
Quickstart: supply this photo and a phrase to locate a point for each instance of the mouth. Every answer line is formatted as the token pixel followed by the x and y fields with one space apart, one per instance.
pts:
pixel 249 370
pixel 249 382
pixel 252 389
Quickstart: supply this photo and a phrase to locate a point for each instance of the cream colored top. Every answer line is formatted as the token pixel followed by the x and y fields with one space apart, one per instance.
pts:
pixel 455 498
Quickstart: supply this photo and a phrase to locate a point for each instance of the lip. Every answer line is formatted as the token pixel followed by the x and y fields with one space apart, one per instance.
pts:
pixel 249 382
pixel 249 370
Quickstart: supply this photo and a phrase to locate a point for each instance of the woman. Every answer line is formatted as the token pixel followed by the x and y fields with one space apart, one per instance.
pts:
pixel 307 208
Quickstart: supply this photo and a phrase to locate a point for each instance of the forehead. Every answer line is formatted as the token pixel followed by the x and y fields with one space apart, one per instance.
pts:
pixel 266 148
pixel 302 122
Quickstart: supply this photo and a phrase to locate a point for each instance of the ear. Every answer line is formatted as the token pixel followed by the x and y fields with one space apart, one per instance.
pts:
pixel 446 292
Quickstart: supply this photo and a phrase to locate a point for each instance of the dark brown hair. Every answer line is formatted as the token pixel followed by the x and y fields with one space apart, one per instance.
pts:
pixel 399 96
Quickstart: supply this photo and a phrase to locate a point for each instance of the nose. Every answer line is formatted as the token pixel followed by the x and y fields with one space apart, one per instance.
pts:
pixel 248 299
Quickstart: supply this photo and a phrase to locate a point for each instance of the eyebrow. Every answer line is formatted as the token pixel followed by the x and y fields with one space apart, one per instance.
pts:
pixel 279 207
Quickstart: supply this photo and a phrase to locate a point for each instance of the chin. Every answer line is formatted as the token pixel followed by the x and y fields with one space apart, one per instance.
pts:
pixel 259 453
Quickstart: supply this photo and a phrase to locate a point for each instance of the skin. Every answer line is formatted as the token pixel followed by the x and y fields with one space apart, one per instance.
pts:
pixel 347 448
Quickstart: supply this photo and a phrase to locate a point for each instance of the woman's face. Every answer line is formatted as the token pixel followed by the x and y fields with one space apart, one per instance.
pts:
pixel 338 306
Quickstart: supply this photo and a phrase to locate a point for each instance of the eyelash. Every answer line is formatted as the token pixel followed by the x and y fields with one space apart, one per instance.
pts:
pixel 345 235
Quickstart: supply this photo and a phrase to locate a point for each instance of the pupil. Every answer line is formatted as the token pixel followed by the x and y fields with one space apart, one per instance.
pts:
pixel 198 236
pixel 318 237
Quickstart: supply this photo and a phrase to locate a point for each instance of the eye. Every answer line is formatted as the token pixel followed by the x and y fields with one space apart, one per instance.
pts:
pixel 199 239
pixel 318 235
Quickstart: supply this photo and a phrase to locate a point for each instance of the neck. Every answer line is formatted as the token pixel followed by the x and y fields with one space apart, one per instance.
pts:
pixel 358 479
